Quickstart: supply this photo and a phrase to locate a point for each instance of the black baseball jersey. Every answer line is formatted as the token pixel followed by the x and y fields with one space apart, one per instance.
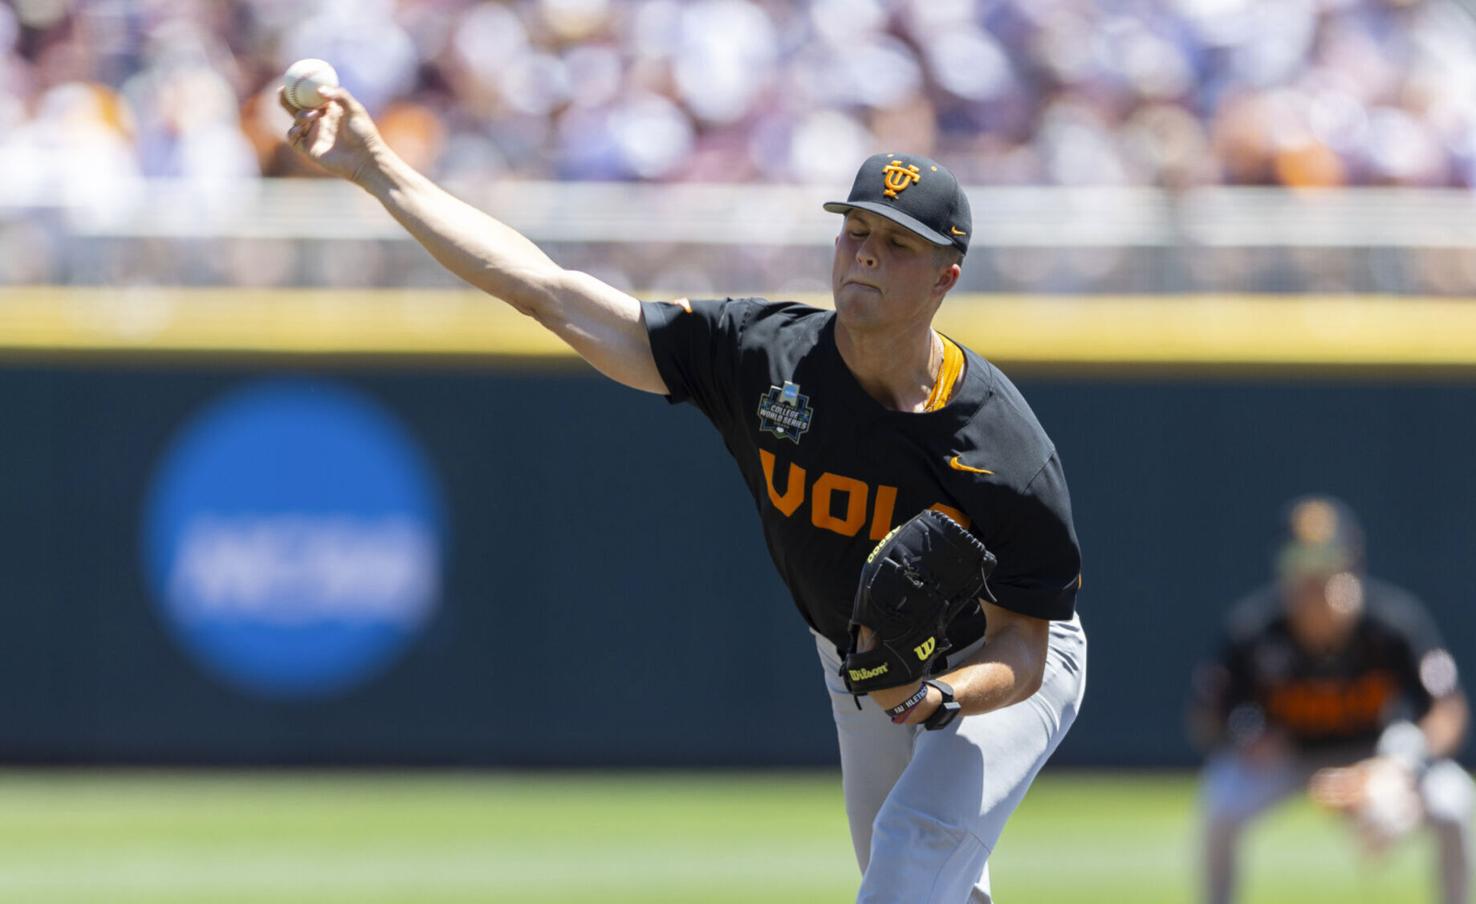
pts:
pixel 1393 667
pixel 832 470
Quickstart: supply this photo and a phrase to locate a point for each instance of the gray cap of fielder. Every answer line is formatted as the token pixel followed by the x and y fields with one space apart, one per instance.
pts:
pixel 915 192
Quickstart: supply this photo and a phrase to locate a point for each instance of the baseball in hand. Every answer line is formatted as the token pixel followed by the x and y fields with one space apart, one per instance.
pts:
pixel 303 79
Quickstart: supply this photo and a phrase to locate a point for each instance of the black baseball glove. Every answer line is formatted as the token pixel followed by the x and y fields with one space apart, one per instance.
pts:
pixel 919 578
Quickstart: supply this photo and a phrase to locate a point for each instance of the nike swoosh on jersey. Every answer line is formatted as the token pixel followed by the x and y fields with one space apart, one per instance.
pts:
pixel 957 465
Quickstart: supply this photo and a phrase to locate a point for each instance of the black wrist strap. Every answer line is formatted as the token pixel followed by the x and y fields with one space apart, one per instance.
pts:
pixel 947 711
pixel 899 712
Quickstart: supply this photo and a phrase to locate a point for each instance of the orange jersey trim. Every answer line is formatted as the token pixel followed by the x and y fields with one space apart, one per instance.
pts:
pixel 948 374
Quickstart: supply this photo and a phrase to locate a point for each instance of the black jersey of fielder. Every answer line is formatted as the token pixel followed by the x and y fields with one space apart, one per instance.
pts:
pixel 1393 667
pixel 832 470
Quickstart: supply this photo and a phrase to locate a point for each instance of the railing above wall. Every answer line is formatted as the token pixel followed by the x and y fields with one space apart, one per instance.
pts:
pixel 739 214
pixel 699 238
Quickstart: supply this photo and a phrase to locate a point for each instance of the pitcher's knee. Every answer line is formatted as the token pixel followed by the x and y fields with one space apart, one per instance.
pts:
pixel 917 858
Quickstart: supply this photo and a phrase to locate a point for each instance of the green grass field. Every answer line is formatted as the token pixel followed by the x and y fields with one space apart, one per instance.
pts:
pixel 433 838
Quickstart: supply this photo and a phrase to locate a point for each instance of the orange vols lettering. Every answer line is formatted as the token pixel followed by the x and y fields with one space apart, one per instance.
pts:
pixel 1328 706
pixel 822 504
pixel 794 491
pixel 857 494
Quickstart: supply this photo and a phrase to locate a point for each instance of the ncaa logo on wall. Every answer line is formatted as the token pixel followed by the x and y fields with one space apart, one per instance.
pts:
pixel 293 539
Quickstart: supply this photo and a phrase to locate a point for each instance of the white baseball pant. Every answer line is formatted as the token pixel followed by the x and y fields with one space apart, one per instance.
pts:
pixel 927 807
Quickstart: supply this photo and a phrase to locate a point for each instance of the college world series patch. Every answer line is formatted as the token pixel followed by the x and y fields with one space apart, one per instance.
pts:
pixel 784 412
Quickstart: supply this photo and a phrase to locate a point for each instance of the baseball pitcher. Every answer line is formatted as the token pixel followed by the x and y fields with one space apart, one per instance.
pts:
pixel 911 502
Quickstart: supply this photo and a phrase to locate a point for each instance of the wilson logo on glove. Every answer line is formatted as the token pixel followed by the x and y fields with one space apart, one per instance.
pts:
pixel 920 578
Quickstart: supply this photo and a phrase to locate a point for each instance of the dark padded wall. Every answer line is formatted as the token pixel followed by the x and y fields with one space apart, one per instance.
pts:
pixel 604 562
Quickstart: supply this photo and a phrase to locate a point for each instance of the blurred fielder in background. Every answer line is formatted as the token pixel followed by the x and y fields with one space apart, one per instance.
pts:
pixel 1333 682
pixel 888 419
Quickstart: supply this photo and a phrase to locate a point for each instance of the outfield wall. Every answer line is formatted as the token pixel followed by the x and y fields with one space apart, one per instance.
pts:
pixel 498 559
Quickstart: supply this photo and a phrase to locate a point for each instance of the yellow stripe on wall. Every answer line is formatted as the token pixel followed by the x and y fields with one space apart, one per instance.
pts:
pixel 1221 331
pixel 311 323
pixel 1059 334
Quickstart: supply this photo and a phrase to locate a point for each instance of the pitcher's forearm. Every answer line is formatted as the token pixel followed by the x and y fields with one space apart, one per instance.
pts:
pixel 466 241
pixel 1007 670
pixel 604 325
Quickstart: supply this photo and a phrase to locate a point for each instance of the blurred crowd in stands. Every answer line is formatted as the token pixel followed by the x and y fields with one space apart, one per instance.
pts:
pixel 1174 93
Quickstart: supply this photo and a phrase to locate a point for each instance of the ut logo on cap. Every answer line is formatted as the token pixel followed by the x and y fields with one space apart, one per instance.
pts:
pixel 897 177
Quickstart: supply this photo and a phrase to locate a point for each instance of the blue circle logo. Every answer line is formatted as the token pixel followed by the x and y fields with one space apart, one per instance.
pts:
pixel 293 540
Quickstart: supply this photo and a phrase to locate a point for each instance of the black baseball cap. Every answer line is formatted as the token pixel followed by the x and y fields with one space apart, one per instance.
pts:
pixel 1323 537
pixel 916 192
